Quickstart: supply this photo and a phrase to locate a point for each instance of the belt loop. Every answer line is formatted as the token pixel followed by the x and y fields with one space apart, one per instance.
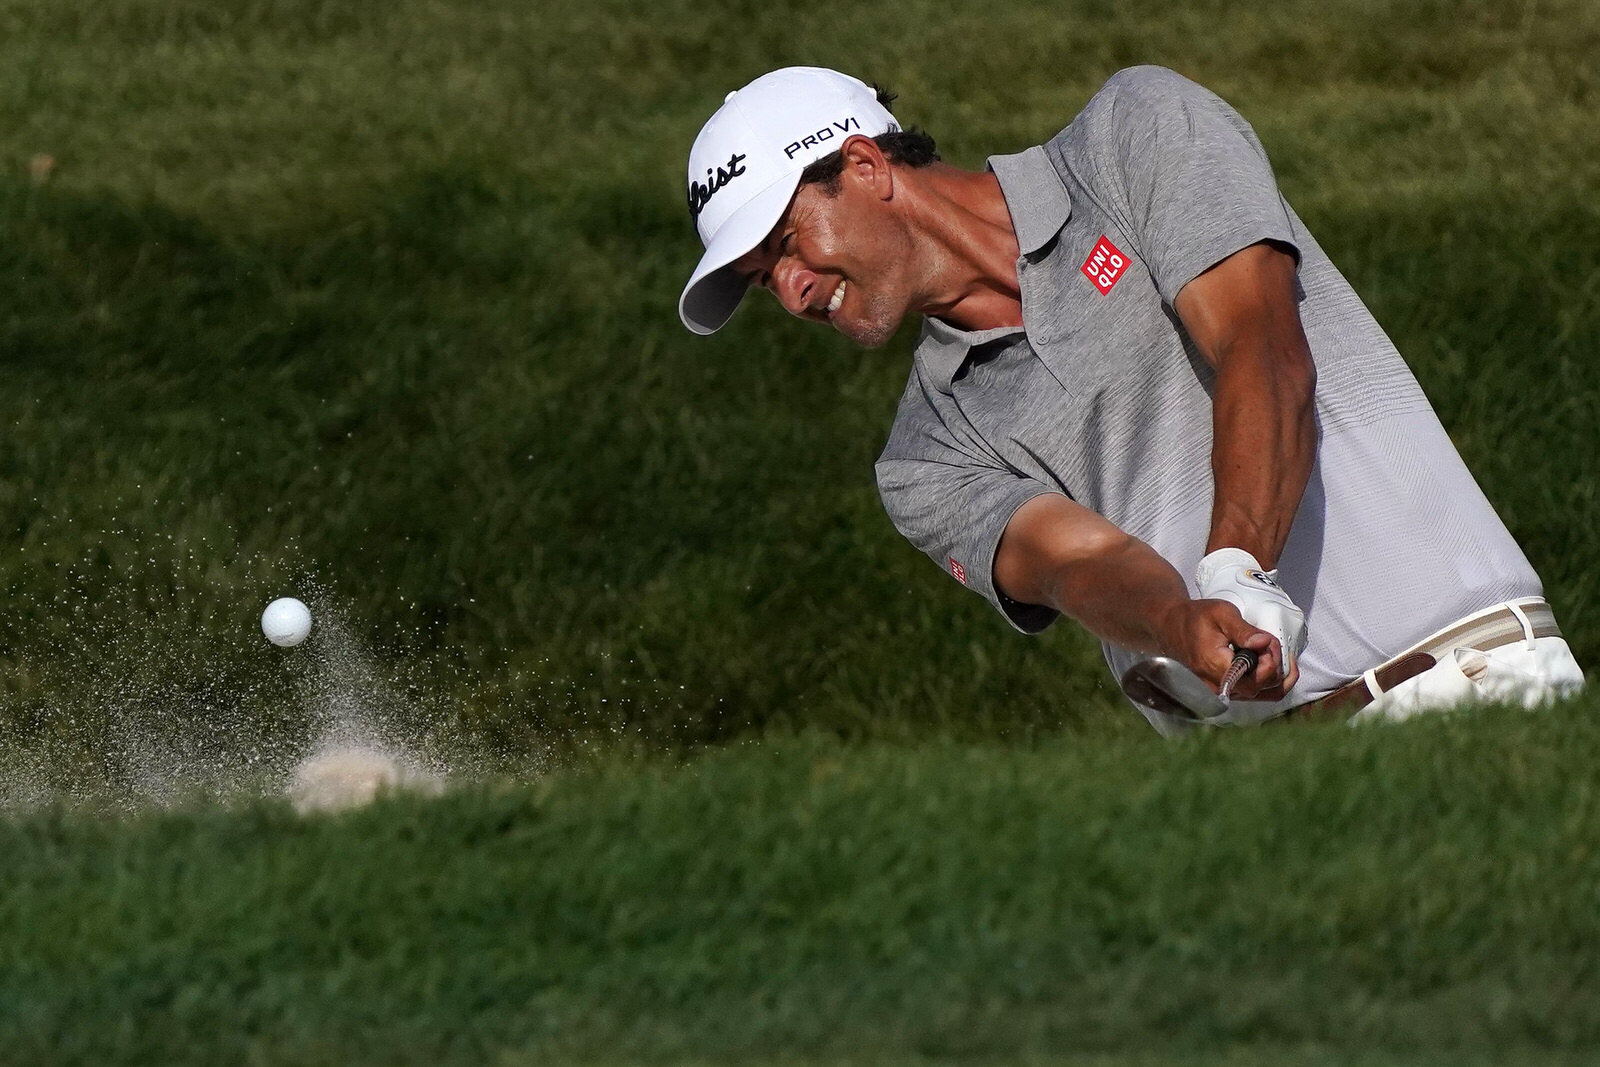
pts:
pixel 1527 627
pixel 1371 678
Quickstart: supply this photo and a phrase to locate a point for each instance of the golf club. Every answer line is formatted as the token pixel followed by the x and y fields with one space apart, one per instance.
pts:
pixel 1166 685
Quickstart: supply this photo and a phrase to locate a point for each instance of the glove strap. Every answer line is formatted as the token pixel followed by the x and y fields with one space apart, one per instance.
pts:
pixel 1223 557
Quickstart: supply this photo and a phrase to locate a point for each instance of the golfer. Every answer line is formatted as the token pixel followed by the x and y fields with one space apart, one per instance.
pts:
pixel 1142 396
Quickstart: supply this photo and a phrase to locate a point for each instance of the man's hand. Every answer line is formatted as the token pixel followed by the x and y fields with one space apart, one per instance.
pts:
pixel 1235 576
pixel 1203 634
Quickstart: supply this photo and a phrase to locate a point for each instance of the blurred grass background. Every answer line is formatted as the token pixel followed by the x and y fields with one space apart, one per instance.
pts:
pixel 385 295
pixel 377 302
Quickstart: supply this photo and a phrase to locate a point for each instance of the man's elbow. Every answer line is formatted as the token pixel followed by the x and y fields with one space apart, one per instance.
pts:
pixel 1045 569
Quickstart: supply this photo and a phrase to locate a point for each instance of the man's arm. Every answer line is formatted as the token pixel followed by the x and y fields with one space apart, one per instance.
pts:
pixel 1243 317
pixel 1057 552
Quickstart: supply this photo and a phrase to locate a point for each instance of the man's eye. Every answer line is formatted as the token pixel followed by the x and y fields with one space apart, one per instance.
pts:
pixel 783 243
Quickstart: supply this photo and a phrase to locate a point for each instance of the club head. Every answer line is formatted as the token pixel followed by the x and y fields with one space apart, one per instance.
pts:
pixel 1164 684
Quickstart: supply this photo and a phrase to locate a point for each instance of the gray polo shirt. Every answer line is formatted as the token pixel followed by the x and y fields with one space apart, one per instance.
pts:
pixel 1102 397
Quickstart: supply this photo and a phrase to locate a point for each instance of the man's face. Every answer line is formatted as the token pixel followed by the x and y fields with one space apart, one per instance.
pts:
pixel 837 259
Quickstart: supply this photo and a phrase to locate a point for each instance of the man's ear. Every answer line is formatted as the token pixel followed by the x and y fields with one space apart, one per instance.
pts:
pixel 867 168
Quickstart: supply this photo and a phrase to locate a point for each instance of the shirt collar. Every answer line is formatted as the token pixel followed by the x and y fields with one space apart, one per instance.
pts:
pixel 1035 196
pixel 1039 207
pixel 943 348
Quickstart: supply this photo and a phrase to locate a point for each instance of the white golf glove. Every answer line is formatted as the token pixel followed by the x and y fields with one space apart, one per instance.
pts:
pixel 1234 575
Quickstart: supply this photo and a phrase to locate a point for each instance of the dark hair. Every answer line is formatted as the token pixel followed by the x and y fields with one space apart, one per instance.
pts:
pixel 909 147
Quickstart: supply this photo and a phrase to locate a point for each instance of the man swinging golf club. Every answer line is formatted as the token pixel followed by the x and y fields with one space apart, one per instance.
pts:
pixel 1136 365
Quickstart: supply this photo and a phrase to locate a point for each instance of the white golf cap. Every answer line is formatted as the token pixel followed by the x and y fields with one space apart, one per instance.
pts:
pixel 745 166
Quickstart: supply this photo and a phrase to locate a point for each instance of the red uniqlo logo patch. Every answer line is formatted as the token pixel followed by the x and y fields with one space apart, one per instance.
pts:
pixel 1104 265
pixel 958 571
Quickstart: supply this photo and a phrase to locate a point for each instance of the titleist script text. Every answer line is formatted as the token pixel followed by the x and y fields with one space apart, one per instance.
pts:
pixel 700 192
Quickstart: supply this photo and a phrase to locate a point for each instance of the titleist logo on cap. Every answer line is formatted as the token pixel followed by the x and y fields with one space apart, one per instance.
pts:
pixel 701 192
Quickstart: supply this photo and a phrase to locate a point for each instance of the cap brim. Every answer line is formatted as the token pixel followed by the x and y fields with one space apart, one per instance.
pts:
pixel 714 291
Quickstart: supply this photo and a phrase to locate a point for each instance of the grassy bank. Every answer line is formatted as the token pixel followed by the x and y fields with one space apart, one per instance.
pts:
pixel 1411 894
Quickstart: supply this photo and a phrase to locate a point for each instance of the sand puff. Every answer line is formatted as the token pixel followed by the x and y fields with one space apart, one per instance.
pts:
pixel 336 779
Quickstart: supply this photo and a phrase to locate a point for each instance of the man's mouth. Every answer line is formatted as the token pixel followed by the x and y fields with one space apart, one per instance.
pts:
pixel 838 298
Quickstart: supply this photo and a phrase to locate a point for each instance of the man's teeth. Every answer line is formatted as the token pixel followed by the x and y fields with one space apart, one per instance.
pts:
pixel 838 298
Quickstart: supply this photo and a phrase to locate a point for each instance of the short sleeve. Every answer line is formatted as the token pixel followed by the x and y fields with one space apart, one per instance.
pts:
pixel 1183 172
pixel 952 501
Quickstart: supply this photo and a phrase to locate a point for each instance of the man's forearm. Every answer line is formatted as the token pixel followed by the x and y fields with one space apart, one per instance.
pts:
pixel 1056 552
pixel 1126 594
pixel 1132 597
pixel 1264 446
pixel 1243 315
pixel 1060 554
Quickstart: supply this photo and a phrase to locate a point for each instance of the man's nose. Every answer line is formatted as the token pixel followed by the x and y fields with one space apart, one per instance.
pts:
pixel 794 285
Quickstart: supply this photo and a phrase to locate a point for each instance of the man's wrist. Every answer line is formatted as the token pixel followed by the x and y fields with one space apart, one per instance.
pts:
pixel 1174 628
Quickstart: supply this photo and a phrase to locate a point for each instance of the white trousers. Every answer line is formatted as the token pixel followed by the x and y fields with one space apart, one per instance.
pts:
pixel 1529 672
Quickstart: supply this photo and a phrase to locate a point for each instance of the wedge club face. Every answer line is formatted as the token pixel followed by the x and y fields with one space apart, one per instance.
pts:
pixel 1164 684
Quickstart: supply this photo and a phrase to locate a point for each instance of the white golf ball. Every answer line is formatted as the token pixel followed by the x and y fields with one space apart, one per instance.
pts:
pixel 286 622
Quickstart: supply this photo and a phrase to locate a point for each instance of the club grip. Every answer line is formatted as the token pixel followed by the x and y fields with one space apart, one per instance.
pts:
pixel 1244 661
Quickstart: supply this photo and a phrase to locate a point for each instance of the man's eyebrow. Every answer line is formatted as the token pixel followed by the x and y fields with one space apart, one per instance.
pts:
pixel 772 235
pixel 765 248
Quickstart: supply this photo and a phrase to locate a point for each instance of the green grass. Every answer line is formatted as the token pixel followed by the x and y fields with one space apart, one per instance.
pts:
pixel 376 302
pixel 1416 894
